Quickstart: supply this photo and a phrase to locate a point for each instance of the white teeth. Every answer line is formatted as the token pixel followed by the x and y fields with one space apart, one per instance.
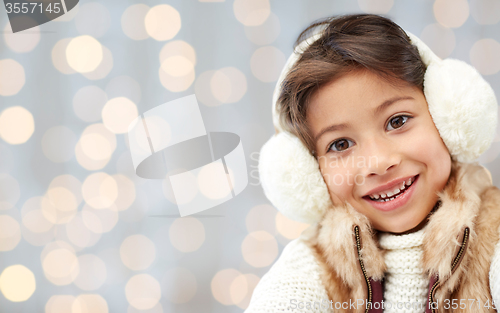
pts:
pixel 390 194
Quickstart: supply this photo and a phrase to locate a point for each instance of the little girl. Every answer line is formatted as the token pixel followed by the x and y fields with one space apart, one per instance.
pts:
pixel 376 138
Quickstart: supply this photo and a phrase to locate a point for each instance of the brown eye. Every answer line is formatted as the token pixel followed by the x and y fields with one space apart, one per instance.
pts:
pixel 340 145
pixel 397 122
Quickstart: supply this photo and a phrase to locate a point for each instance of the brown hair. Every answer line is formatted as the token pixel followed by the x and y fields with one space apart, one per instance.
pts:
pixel 349 42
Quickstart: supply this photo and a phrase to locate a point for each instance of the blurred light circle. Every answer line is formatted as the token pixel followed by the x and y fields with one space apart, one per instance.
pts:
pixel 266 33
pixel 58 144
pixel 10 233
pixel 88 103
pixel 32 216
pixel 178 48
pixel 93 19
pixel 251 282
pixel 132 21
pixel 288 228
pixel 137 252
pixel 211 183
pixel 251 12
pixel 70 183
pixel 142 291
pixel 94 152
pixel 484 56
pixel 59 205
pixel 266 63
pixel 118 113
pixel 440 39
pixel 187 234
pixel 17 283
pixel 156 309
pixel 16 124
pixel 103 69
pixel 177 66
pixel 53 212
pixel 59 304
pixel 162 22
pixel 176 83
pixel 79 235
pixel 12 77
pixel 376 6
pixel 485 12
pixel 451 13
pixel 261 217
pixel 21 43
pixel 84 53
pixel 54 245
pixel 99 220
pixel 126 192
pixel 228 85
pixel 238 289
pixel 99 190
pixel 259 248
pixel 124 86
pixel 92 273
pixel 60 266
pixel 221 284
pixel 38 239
pixel 179 285
pixel 203 89
pixel 10 191
pixel 89 303
pixel 59 56
pixel 88 163
pixel 36 222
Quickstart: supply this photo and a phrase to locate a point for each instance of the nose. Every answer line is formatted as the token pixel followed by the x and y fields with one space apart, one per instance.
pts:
pixel 381 155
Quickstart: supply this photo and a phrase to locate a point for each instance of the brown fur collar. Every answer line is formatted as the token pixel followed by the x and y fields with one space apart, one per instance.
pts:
pixel 334 246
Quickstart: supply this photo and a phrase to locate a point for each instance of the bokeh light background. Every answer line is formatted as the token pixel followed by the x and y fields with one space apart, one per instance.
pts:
pixel 79 231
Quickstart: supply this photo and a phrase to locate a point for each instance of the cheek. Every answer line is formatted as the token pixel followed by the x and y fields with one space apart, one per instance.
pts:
pixel 339 180
pixel 427 147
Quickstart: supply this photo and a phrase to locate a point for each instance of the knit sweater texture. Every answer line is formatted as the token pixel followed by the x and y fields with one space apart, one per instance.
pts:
pixel 293 282
pixel 406 283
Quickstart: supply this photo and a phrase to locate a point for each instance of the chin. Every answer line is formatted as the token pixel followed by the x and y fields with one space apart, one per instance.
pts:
pixel 398 227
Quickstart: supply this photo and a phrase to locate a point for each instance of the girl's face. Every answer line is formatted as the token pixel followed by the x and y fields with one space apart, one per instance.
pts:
pixel 375 141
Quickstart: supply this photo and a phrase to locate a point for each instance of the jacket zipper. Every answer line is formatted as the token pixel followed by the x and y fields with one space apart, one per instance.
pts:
pixel 358 244
pixel 453 267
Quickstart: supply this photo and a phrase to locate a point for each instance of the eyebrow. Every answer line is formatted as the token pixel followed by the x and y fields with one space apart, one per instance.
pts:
pixel 336 127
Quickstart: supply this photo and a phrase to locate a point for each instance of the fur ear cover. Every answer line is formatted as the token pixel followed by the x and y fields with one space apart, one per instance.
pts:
pixel 292 180
pixel 463 107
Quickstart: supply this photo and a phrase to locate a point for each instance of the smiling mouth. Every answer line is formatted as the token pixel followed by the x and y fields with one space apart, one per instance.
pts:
pixel 390 195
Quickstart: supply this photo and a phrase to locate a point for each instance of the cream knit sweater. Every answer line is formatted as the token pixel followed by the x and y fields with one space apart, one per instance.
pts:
pixel 406 284
pixel 293 281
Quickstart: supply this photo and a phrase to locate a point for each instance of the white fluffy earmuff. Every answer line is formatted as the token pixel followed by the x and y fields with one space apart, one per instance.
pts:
pixel 461 103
